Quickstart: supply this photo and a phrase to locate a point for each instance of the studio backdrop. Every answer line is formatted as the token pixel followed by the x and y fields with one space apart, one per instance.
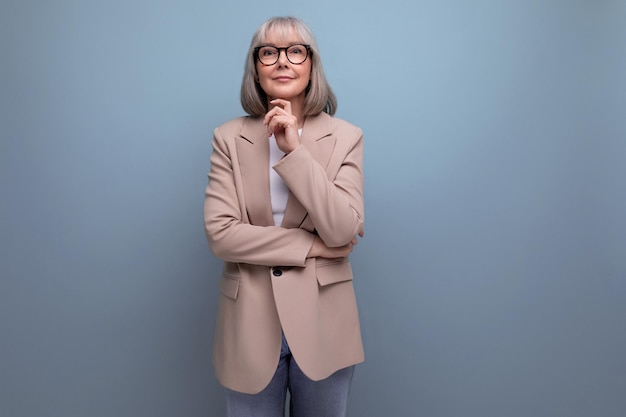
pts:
pixel 491 280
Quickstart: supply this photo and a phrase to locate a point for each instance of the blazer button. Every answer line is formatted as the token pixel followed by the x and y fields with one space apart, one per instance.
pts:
pixel 277 272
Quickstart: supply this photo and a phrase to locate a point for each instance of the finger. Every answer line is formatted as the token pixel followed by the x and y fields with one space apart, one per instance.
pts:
pixel 270 114
pixel 275 124
pixel 282 104
pixel 283 122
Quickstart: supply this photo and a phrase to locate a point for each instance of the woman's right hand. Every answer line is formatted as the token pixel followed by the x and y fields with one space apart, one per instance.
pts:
pixel 320 250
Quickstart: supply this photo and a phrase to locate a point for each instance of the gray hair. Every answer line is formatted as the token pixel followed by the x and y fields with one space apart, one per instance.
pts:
pixel 319 95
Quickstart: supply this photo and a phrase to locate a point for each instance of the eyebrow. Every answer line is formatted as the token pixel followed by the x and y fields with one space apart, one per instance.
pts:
pixel 276 46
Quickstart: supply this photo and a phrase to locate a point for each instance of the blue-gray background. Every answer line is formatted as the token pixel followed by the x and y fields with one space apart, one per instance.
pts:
pixel 491 280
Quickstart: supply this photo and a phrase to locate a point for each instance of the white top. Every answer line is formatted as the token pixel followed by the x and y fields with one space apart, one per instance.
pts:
pixel 278 189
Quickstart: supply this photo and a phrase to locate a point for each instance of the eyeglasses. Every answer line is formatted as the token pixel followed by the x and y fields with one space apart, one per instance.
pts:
pixel 268 55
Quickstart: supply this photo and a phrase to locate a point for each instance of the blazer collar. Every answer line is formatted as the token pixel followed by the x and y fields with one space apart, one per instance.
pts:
pixel 253 152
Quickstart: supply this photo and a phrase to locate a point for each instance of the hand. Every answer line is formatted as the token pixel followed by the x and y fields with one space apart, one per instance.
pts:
pixel 283 124
pixel 320 250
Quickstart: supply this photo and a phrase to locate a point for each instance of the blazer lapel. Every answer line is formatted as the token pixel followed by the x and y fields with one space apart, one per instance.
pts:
pixel 317 138
pixel 253 152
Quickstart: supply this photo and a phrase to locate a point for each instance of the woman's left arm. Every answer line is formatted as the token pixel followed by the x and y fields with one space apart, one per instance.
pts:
pixel 335 205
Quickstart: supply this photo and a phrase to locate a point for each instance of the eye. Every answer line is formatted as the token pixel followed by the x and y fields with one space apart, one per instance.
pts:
pixel 267 52
pixel 297 50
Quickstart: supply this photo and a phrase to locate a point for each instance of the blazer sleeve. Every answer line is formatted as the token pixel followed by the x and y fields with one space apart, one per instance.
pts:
pixel 334 203
pixel 228 231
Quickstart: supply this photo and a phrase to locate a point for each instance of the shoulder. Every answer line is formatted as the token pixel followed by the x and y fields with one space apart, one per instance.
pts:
pixel 349 136
pixel 345 126
pixel 246 127
pixel 338 127
pixel 232 127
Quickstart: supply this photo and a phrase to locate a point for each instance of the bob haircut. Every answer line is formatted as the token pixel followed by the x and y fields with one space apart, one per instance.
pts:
pixel 319 96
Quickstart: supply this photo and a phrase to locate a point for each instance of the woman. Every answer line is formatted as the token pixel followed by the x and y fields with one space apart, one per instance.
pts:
pixel 283 208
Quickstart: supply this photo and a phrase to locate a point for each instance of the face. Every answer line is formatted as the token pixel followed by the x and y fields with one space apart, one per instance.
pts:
pixel 283 79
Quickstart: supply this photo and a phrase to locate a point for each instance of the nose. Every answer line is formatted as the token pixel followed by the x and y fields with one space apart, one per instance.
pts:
pixel 282 57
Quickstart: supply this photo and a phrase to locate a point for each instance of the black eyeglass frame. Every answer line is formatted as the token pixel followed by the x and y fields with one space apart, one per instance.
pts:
pixel 306 47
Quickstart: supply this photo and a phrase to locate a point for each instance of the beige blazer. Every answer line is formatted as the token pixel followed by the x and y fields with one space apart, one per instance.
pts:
pixel 267 284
